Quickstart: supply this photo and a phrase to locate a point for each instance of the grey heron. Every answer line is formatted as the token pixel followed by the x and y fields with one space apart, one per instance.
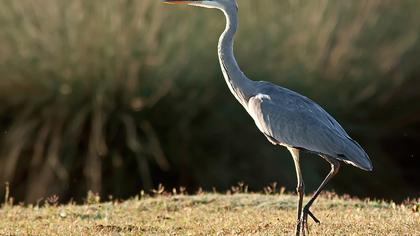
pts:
pixel 285 117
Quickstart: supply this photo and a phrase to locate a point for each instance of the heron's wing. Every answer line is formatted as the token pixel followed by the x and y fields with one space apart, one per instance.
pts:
pixel 291 119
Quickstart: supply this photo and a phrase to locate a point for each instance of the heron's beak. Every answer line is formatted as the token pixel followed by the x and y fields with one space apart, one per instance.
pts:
pixel 179 1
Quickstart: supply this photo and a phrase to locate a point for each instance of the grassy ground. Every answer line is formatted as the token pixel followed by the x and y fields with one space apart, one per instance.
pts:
pixel 214 214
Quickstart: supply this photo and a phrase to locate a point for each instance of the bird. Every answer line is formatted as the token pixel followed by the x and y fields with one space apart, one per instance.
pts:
pixel 285 117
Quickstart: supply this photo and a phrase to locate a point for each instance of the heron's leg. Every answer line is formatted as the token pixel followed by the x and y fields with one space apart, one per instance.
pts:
pixel 300 189
pixel 335 166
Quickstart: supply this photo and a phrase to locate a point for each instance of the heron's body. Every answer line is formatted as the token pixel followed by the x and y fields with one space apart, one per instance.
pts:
pixel 285 117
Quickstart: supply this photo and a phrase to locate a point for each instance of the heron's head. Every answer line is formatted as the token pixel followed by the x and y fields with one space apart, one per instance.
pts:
pixel 219 4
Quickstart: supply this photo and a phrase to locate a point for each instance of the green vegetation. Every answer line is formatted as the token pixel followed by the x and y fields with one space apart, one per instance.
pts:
pixel 214 214
pixel 115 96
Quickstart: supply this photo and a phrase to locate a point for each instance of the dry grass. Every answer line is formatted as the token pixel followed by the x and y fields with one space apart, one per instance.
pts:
pixel 214 214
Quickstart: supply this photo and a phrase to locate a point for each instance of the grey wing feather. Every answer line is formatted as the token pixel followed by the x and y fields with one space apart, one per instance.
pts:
pixel 290 119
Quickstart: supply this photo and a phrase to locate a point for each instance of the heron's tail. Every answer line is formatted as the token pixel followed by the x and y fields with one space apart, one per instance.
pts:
pixel 355 155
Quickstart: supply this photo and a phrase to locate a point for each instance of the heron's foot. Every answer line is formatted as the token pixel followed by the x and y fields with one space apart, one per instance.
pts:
pixel 298 226
pixel 308 212
pixel 303 222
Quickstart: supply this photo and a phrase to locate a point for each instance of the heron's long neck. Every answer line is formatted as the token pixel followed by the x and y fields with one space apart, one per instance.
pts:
pixel 240 86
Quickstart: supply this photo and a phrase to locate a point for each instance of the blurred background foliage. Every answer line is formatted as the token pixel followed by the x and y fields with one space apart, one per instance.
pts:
pixel 116 96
